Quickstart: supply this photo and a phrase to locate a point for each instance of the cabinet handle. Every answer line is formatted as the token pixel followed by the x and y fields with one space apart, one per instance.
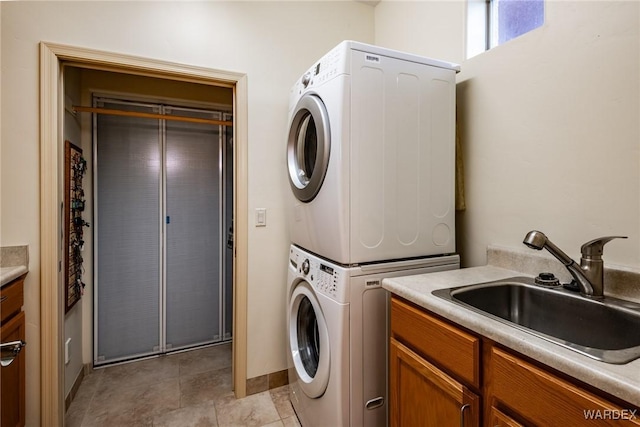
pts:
pixel 465 406
pixel 3 298
pixel 10 351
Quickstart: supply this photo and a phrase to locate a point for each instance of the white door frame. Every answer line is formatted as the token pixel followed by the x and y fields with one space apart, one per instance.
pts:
pixel 52 57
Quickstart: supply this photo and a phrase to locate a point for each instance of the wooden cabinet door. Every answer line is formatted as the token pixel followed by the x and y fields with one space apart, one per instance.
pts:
pixel 497 418
pixel 543 399
pixel 12 377
pixel 422 395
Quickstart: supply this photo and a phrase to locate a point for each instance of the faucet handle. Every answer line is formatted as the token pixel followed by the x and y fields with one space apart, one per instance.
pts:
pixel 595 248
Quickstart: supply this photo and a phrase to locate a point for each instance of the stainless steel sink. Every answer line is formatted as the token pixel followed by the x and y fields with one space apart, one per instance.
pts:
pixel 607 329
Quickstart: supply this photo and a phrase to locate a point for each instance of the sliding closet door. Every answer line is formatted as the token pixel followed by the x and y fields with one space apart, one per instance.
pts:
pixel 128 190
pixel 193 231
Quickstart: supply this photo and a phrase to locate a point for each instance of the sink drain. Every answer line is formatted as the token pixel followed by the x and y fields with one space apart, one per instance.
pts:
pixel 548 280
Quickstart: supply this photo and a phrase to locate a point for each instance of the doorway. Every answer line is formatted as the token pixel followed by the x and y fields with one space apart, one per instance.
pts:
pixel 53 58
pixel 163 230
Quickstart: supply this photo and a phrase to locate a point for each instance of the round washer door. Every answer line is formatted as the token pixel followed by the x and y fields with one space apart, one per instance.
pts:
pixel 308 147
pixel 309 341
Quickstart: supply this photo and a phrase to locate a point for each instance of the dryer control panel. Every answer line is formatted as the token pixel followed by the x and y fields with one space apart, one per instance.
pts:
pixel 328 67
pixel 332 64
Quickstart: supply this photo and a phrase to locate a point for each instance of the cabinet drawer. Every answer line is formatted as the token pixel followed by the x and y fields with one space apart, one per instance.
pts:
pixel 451 348
pixel 11 299
pixel 547 400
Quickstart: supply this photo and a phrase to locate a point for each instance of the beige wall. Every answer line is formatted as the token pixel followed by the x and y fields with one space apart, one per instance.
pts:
pixel 429 28
pixel 272 42
pixel 550 130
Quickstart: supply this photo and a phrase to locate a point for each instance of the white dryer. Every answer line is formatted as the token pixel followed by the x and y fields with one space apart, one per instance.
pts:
pixel 338 337
pixel 371 155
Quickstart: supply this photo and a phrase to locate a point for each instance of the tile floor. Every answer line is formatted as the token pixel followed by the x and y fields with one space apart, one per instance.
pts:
pixel 185 389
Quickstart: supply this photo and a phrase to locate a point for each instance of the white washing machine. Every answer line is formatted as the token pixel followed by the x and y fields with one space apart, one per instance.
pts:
pixel 371 155
pixel 337 321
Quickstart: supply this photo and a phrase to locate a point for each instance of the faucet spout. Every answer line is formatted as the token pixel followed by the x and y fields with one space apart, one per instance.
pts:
pixel 538 240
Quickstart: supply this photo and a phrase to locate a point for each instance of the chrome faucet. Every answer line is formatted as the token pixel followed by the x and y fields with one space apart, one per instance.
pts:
pixel 589 275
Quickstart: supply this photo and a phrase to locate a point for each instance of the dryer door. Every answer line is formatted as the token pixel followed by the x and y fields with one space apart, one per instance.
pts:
pixel 309 341
pixel 308 147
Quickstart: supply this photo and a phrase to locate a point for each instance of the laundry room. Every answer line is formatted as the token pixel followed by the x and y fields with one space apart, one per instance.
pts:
pixel 542 134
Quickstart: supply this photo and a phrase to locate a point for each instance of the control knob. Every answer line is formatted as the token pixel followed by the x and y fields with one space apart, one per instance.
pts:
pixel 305 267
pixel 306 79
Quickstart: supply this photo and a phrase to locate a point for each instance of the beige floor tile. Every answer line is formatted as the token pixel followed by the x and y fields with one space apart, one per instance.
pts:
pixel 281 400
pixel 74 416
pixel 133 405
pixel 251 411
pixel 203 415
pixel 204 360
pixel 183 389
pixel 138 373
pixel 90 383
pixel 80 404
pixel 291 421
pixel 203 387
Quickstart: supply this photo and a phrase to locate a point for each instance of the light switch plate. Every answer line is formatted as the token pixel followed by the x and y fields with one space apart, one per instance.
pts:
pixel 261 217
pixel 67 351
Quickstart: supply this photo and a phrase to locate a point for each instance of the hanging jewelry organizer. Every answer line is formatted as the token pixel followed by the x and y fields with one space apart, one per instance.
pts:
pixel 74 204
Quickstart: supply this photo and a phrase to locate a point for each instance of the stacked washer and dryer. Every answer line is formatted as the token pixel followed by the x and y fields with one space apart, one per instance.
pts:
pixel 371 160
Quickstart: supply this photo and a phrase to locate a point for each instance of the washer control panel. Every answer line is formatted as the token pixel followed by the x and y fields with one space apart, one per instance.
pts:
pixel 321 276
pixel 326 278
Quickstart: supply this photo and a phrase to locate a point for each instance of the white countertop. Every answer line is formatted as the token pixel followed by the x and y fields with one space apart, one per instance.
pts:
pixel 622 381
pixel 7 274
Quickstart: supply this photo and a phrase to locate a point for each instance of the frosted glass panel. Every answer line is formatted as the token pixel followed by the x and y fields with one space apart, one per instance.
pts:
pixel 517 17
pixel 128 235
pixel 193 287
pixel 164 273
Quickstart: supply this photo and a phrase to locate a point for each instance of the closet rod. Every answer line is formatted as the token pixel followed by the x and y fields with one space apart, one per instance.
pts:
pixel 113 112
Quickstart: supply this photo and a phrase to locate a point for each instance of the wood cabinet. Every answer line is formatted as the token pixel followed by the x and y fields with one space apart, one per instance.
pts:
pixel 456 350
pixel 541 398
pixel 423 395
pixel 437 368
pixel 12 377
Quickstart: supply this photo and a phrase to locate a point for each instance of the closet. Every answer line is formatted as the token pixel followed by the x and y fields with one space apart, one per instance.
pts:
pixel 163 228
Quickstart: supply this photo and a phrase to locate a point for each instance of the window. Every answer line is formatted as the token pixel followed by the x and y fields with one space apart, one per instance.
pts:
pixel 493 22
